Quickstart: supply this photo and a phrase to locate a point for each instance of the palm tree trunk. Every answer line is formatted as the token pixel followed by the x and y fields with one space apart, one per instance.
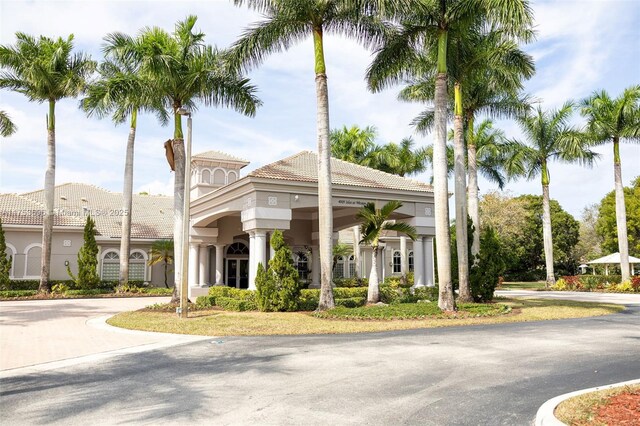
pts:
pixel 178 200
pixel 325 209
pixel 127 195
pixel 461 199
pixel 446 301
pixel 621 213
pixel 546 227
pixel 373 293
pixel 49 196
pixel 165 274
pixel 472 190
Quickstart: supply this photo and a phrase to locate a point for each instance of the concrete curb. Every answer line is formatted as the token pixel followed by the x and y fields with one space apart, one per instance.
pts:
pixel 100 323
pixel 545 416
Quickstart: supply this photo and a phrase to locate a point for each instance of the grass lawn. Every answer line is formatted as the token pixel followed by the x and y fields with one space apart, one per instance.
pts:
pixel 223 323
pixel 590 408
pixel 527 285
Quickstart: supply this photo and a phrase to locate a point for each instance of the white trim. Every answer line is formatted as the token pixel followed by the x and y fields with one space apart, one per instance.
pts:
pixel 213 175
pixel 237 176
pixel 201 180
pixel 146 260
pixel 12 272
pixel 393 262
pixel 103 255
pixel 26 261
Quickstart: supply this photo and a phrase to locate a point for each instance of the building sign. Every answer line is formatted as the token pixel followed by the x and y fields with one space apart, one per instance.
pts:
pixel 350 202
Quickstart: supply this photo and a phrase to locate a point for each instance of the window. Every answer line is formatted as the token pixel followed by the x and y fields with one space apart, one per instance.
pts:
pixel 338 271
pixel 33 259
pixel 10 253
pixel 137 266
pixel 206 176
pixel 352 266
pixel 238 249
pixel 397 262
pixel 219 177
pixel 111 266
pixel 302 263
pixel 232 177
pixel 411 261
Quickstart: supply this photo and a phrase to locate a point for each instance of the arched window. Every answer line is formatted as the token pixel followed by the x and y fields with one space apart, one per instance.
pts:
pixel 238 249
pixel 137 266
pixel 232 177
pixel 397 262
pixel 33 260
pixel 352 266
pixel 302 263
pixel 219 177
pixel 338 271
pixel 411 261
pixel 10 253
pixel 206 176
pixel 110 266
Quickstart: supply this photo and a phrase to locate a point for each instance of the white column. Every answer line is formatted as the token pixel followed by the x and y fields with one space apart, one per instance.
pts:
pixel 356 251
pixel 403 255
pixel 257 255
pixel 429 264
pixel 253 267
pixel 418 263
pixel 315 267
pixel 272 251
pixel 193 264
pixel 204 266
pixel 219 264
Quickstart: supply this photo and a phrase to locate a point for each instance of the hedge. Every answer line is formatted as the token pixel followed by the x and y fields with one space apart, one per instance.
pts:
pixel 17 293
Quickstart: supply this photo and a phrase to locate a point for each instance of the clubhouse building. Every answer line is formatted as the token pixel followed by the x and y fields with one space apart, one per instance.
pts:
pixel 232 217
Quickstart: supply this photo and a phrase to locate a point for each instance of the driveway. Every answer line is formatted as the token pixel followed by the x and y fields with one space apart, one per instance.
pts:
pixel 479 375
pixel 37 332
pixel 581 296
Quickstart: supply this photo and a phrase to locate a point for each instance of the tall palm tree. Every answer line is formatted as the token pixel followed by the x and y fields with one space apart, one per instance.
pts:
pixel 123 91
pixel 7 128
pixel 430 24
pixel 162 252
pixel 548 137
pixel 402 159
pixel 45 70
pixel 373 223
pixel 185 72
pixel 287 22
pixel 355 145
pixel 615 120
pixel 483 63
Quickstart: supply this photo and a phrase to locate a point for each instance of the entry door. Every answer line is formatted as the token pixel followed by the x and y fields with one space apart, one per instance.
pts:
pixel 238 273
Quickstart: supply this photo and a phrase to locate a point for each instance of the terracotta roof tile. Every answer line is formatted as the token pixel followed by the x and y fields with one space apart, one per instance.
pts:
pixel 219 156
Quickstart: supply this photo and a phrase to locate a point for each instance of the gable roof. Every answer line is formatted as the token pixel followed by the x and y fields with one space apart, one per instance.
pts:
pixel 303 167
pixel 152 215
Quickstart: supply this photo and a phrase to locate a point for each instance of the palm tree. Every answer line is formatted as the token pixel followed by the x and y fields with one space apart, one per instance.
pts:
pixel 426 26
pixel 185 71
pixel 402 159
pixel 287 22
pixel 615 120
pixel 162 252
pixel 374 223
pixel 7 128
pixel 355 145
pixel 45 70
pixel 340 250
pixel 549 137
pixel 123 91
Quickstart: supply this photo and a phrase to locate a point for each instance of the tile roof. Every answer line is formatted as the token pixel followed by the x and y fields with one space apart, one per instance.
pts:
pixel 303 167
pixel 152 215
pixel 219 156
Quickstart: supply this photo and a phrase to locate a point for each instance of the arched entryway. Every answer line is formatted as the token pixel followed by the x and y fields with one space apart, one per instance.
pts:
pixel 237 265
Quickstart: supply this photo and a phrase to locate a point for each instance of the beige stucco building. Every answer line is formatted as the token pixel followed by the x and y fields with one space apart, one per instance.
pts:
pixel 232 218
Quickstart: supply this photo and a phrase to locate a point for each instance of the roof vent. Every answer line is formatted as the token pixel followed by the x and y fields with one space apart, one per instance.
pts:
pixel 62 197
pixel 84 199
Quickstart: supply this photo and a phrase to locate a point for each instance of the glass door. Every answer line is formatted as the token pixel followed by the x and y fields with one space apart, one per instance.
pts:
pixel 232 272
pixel 243 273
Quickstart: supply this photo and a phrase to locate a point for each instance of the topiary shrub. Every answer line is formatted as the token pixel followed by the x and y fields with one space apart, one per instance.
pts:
pixel 88 277
pixel 484 276
pixel 351 302
pixel 278 288
pixel 347 292
pixel 5 262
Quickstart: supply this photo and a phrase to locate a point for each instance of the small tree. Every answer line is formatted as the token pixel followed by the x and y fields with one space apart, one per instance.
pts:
pixel 162 252
pixel 87 259
pixel 489 266
pixel 340 250
pixel 5 262
pixel 278 287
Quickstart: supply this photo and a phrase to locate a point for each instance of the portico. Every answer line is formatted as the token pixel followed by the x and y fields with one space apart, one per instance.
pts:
pixel 231 223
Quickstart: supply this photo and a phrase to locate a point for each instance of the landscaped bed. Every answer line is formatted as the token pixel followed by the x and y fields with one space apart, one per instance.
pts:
pixel 216 322
pixel 618 406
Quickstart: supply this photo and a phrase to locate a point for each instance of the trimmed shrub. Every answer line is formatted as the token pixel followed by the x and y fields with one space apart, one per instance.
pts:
pixel 309 299
pixel 278 288
pixel 351 302
pixel 484 277
pixel 345 293
pixel 349 282
pixel 88 292
pixel 17 293
pixel 231 304
pixel 87 259
pixel 22 285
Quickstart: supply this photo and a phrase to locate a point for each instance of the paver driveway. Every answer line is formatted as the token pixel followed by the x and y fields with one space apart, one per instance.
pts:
pixel 34 332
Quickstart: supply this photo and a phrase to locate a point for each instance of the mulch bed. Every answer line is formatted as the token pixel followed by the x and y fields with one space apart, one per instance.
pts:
pixel 620 410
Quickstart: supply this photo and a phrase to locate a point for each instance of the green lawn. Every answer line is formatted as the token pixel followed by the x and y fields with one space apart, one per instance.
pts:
pixel 528 285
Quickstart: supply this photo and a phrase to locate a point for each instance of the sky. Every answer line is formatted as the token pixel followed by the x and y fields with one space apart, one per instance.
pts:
pixel 581 46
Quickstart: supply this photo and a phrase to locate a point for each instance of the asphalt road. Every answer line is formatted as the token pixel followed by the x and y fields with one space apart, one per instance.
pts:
pixel 481 375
